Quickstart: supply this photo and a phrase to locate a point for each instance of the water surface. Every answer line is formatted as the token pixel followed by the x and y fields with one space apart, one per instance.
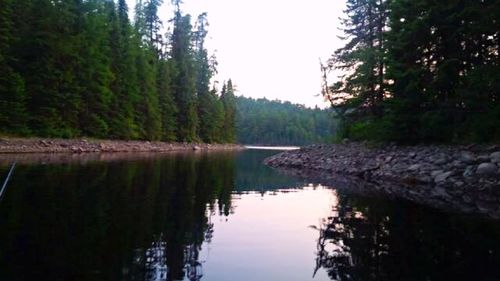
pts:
pixel 221 216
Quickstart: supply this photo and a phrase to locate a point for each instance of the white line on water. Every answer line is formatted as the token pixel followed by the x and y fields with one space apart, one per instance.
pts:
pixel 272 147
pixel 7 179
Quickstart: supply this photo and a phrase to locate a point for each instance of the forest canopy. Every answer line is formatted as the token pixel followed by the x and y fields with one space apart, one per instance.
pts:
pixel 418 71
pixel 82 68
pixel 265 122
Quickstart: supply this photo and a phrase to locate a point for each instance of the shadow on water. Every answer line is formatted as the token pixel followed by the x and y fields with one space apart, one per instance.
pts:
pixel 119 220
pixel 377 239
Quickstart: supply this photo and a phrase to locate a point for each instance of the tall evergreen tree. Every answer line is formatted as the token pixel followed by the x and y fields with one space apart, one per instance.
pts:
pixel 167 105
pixel 122 117
pixel 361 60
pixel 229 103
pixel 183 81
pixel 94 73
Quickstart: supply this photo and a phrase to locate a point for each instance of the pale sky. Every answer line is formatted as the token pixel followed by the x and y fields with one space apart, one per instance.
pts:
pixel 269 48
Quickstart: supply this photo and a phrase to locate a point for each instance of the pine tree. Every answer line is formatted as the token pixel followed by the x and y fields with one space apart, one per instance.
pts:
pixel 167 105
pixel 183 80
pixel 229 103
pixel 122 117
pixel 361 60
pixel 95 73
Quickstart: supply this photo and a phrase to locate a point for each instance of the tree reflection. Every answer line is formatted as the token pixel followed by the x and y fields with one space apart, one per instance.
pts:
pixel 127 220
pixel 373 239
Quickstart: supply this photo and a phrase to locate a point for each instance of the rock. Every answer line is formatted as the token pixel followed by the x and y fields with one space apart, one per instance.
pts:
pixel 435 173
pixel 495 157
pixel 442 177
pixel 483 158
pixel 440 161
pixel 467 157
pixel 486 169
pixel 44 143
pixel 414 167
pixel 458 164
pixel 196 147
pixel 486 206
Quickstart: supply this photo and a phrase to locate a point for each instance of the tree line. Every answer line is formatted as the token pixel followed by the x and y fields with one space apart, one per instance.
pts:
pixel 82 68
pixel 418 71
pixel 265 122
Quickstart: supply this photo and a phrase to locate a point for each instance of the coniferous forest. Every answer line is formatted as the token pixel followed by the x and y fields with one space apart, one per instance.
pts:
pixel 265 122
pixel 418 71
pixel 83 68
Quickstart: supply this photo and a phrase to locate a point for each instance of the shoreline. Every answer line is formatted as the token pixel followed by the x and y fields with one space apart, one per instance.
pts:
pixel 78 146
pixel 460 178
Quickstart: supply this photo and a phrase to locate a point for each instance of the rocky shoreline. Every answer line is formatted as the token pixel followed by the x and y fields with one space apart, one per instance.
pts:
pixel 462 178
pixel 39 145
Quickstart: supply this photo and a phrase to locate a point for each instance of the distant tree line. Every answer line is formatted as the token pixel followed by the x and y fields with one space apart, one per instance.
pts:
pixel 81 68
pixel 418 71
pixel 265 122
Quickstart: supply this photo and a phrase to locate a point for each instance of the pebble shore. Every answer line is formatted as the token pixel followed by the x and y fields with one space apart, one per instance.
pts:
pixel 463 178
pixel 38 145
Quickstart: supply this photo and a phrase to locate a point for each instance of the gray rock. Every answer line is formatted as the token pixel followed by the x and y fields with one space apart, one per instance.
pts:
pixel 495 157
pixel 442 177
pixel 483 158
pixel 435 173
pixel 440 161
pixel 467 157
pixel 414 167
pixel 196 147
pixel 486 169
pixel 458 164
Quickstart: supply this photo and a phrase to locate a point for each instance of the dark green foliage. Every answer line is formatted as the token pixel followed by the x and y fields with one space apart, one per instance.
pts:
pixel 229 105
pixel 80 68
pixel 281 123
pixel 184 78
pixel 12 96
pixel 441 63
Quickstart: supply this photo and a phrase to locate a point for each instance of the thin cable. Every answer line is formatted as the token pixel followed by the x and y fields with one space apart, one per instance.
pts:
pixel 7 179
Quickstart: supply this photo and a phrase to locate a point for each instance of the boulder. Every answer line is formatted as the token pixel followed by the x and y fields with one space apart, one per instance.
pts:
pixel 495 157
pixel 486 169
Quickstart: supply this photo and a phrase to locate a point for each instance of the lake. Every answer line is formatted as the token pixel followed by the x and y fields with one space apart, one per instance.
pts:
pixel 216 216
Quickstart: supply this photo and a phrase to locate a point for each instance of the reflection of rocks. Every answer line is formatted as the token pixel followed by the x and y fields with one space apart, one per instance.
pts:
pixel 20 145
pixel 438 175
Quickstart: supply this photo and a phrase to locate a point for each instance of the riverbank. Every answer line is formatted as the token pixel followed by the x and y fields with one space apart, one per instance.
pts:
pixel 41 145
pixel 465 178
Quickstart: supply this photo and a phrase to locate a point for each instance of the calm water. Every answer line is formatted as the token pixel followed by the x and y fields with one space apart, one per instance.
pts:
pixel 221 216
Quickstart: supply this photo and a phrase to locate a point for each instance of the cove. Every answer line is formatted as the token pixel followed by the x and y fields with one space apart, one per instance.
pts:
pixel 216 216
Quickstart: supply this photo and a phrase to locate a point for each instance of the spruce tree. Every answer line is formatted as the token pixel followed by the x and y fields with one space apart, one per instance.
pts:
pixel 229 103
pixel 361 60
pixel 183 80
